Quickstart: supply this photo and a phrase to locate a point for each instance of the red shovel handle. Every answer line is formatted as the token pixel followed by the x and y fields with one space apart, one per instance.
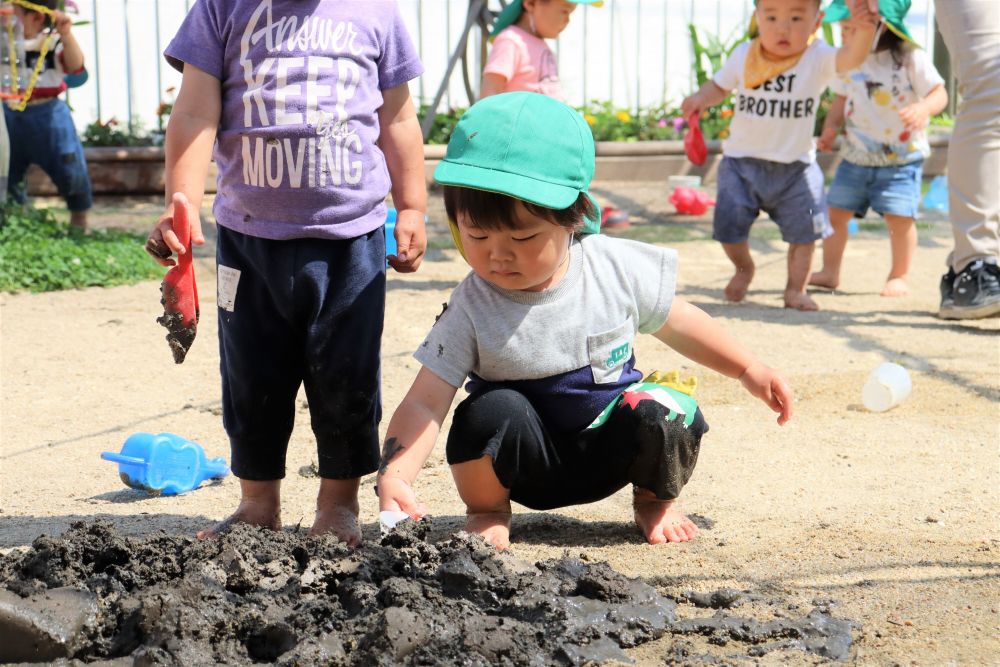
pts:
pixel 182 228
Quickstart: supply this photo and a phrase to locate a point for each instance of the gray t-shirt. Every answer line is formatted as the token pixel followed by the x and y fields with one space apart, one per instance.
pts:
pixel 569 349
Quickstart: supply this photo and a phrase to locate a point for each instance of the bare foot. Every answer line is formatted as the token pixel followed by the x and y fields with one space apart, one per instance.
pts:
pixel 493 526
pixel 895 287
pixel 799 301
pixel 660 521
pixel 825 279
pixel 251 511
pixel 339 520
pixel 738 285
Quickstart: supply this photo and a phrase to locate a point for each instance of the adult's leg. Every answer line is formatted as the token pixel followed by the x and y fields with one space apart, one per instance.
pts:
pixel 971 30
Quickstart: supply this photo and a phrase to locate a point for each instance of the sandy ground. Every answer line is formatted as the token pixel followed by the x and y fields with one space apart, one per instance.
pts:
pixel 892 515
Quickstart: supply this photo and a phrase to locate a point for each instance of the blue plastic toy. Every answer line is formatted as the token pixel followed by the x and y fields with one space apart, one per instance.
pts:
pixel 165 464
pixel 852 227
pixel 390 232
pixel 936 198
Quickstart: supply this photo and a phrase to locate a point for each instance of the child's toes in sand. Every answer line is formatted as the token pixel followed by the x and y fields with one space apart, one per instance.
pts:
pixel 738 285
pixel 493 526
pixel 824 279
pixel 799 300
pixel 253 512
pixel 895 287
pixel 660 521
pixel 341 521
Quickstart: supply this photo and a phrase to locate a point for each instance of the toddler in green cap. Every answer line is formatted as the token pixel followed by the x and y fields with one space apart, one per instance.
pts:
pixel 542 334
pixel 884 106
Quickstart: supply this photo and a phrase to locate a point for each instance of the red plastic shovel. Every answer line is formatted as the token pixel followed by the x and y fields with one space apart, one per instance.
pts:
pixel 694 142
pixel 179 291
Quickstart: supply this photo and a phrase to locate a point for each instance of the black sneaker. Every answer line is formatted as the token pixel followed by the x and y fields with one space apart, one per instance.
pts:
pixel 976 293
pixel 947 288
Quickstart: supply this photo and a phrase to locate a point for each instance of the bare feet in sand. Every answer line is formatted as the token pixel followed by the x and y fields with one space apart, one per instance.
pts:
pixel 342 522
pixel 493 526
pixel 799 300
pixel 738 285
pixel 895 287
pixel 253 511
pixel 337 510
pixel 660 521
pixel 824 279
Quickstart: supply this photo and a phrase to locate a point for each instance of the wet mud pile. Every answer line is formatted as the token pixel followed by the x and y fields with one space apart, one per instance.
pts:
pixel 258 596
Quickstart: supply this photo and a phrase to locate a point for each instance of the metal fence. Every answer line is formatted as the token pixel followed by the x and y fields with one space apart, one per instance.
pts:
pixel 633 53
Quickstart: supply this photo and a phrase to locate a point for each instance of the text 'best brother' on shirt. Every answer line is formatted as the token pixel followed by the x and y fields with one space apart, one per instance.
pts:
pixel 776 108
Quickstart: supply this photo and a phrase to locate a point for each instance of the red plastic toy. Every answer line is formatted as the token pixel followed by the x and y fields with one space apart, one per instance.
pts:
pixel 689 201
pixel 179 290
pixel 694 142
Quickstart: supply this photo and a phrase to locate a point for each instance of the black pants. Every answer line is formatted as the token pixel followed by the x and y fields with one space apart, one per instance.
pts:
pixel 306 311
pixel 638 444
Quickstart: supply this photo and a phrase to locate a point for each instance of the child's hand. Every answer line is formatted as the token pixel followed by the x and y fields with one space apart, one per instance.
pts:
pixel 827 139
pixel 768 385
pixel 163 241
pixel 865 12
pixel 396 494
pixel 63 23
pixel 915 117
pixel 411 241
pixel 692 104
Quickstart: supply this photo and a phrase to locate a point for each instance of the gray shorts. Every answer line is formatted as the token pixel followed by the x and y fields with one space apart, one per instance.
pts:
pixel 792 194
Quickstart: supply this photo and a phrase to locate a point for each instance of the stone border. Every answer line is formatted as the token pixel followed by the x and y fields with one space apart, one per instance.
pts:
pixel 139 171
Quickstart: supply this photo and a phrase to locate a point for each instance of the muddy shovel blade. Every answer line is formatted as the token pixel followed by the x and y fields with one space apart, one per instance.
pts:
pixel 179 292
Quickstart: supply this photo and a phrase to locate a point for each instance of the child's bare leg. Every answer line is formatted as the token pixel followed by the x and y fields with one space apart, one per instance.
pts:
pixel 487 501
pixel 659 520
pixel 739 255
pixel 903 240
pixel 260 505
pixel 337 510
pixel 833 250
pixel 799 262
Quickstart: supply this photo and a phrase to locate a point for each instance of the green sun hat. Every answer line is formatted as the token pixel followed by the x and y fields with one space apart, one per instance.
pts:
pixel 892 11
pixel 527 146
pixel 512 12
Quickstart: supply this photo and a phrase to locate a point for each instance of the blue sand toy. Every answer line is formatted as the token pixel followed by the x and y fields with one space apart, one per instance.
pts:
pixel 390 232
pixel 936 198
pixel 165 464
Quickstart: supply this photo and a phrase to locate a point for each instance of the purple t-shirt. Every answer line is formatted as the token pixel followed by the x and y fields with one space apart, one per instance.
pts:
pixel 301 86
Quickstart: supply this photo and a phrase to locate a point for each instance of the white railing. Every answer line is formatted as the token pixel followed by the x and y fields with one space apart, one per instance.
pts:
pixel 631 52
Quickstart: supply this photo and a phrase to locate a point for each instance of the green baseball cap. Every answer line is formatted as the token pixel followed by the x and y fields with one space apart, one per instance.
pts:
pixel 512 12
pixel 892 11
pixel 525 145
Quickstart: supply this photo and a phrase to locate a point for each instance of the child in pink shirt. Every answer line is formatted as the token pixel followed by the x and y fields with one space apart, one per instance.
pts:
pixel 520 60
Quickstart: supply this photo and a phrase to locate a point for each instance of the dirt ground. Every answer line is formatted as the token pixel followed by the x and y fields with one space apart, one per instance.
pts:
pixel 893 516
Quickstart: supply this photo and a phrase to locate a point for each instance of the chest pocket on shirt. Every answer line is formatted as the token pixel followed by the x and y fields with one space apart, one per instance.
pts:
pixel 609 351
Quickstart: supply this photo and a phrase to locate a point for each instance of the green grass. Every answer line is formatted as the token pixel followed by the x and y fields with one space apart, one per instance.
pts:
pixel 40 253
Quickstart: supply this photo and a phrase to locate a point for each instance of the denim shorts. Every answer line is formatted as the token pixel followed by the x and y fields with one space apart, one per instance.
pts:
pixel 893 190
pixel 792 194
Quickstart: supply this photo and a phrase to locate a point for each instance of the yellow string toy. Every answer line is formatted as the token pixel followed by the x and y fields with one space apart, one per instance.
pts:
pixel 46 45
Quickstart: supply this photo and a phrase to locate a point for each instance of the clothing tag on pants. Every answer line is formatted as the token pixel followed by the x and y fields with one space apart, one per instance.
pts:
pixel 228 280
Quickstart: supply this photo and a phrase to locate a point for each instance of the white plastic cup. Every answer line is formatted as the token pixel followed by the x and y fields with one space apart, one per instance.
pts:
pixel 887 386
pixel 387 519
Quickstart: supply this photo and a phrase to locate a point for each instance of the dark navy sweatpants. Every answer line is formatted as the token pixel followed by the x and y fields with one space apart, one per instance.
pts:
pixel 305 311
